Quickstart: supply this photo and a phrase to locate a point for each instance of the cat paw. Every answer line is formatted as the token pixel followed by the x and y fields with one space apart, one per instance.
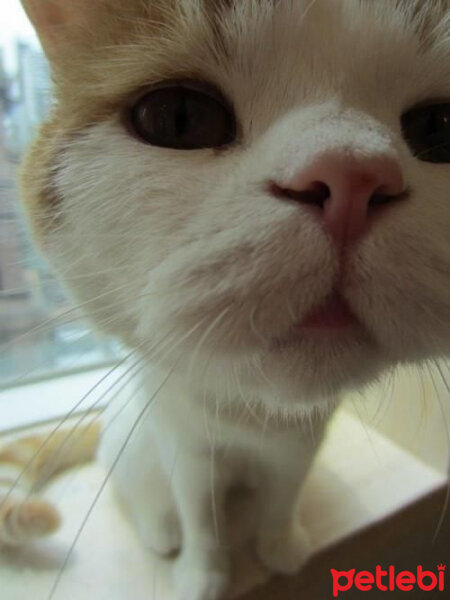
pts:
pixel 285 551
pixel 164 536
pixel 24 520
pixel 195 580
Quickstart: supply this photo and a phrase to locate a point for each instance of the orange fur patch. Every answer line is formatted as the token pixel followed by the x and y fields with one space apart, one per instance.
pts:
pixel 96 66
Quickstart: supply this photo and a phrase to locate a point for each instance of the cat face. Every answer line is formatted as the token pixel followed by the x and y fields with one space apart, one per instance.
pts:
pixel 257 192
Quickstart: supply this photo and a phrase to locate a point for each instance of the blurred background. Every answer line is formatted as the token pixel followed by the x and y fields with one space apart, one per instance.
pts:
pixel 39 336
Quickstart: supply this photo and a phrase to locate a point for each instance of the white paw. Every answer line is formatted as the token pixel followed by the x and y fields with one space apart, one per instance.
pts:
pixel 285 551
pixel 197 579
pixel 164 535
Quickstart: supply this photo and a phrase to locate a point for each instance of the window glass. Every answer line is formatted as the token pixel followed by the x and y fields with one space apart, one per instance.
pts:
pixel 39 332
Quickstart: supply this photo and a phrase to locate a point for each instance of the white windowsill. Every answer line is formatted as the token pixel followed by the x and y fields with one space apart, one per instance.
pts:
pixel 353 485
pixel 360 478
pixel 52 399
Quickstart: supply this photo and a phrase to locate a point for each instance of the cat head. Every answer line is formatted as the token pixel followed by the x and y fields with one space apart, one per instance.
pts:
pixel 257 192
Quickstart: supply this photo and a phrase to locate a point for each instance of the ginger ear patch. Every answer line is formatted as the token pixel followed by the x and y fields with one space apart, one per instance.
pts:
pixel 48 16
pixel 45 14
pixel 52 19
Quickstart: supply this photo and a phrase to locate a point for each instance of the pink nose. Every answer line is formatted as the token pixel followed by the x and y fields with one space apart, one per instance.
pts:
pixel 347 190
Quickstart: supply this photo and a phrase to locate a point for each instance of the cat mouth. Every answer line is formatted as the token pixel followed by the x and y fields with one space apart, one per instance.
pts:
pixel 332 315
pixel 332 319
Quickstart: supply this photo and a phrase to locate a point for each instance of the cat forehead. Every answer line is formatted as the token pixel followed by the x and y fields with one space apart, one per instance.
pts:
pixel 421 16
pixel 217 24
pixel 429 20
pixel 124 47
pixel 220 31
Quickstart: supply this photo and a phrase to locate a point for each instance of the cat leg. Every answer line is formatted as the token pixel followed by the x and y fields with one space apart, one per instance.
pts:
pixel 143 489
pixel 202 570
pixel 282 543
pixel 155 514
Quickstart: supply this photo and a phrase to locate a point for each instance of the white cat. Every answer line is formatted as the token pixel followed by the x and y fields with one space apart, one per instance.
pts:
pixel 253 195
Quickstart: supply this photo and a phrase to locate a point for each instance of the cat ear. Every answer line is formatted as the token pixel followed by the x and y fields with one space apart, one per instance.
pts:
pixel 53 19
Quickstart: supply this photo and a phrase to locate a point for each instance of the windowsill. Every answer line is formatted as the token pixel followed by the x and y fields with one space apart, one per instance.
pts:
pixel 360 479
pixel 49 400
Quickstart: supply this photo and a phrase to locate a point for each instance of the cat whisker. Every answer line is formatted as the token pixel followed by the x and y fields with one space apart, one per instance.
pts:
pixel 441 373
pixel 214 509
pixel 59 320
pixel 37 369
pixel 386 397
pixel 47 439
pixel 248 409
pixel 140 363
pixel 422 371
pixel 255 363
pixel 212 442
pixel 253 327
pixel 212 464
pixel 105 426
pixel 367 432
pixel 419 155
pixel 263 432
pixel 42 325
pixel 308 8
pixel 291 312
pixel 447 435
pixel 203 339
pixel 79 277
pixel 106 479
pixel 180 340
pixel 65 447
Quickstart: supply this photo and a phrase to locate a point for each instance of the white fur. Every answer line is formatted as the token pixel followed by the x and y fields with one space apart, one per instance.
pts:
pixel 194 263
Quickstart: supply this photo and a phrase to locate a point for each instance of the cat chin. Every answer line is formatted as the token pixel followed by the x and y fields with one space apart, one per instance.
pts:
pixel 321 373
pixel 290 380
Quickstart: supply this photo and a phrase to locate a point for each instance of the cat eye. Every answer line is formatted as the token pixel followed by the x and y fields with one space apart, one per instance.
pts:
pixel 427 131
pixel 183 116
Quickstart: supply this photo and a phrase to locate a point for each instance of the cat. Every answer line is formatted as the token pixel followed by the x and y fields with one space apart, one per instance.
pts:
pixel 253 196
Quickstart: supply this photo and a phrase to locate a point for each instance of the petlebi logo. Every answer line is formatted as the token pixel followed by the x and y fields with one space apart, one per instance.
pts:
pixel 388 580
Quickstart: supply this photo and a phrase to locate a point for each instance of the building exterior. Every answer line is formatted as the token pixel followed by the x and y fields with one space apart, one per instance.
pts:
pixel 29 98
pixel 34 336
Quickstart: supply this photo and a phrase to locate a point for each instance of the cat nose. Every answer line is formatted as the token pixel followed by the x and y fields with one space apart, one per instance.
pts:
pixel 346 191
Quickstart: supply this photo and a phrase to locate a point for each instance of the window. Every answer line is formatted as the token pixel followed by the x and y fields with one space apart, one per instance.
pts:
pixel 38 334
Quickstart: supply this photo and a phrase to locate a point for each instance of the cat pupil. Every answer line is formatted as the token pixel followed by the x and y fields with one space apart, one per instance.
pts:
pixel 427 132
pixel 183 118
pixel 436 133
